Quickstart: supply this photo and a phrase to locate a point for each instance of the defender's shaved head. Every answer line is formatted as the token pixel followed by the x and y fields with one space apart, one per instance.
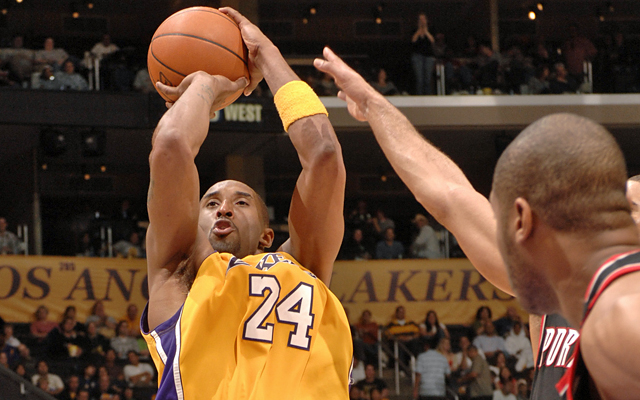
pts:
pixel 570 170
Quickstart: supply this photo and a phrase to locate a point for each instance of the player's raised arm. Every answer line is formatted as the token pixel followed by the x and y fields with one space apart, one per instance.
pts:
pixel 174 187
pixel 316 221
pixel 434 179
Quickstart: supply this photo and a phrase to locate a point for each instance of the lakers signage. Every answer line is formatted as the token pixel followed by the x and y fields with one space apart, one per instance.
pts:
pixel 451 287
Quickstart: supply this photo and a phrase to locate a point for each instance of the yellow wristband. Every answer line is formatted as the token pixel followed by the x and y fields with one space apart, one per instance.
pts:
pixel 297 100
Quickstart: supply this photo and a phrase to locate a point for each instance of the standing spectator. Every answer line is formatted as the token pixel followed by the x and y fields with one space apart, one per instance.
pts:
pixel 461 360
pixel 51 55
pixel 104 47
pixel 422 57
pixel 370 381
pixel 105 324
pixel 576 50
pixel 389 248
pixel 69 79
pixel 426 244
pixel 136 373
pixel 41 327
pixel 444 348
pixel 72 389
pixel 383 85
pixel 479 378
pixel 519 346
pixel 122 343
pixel 432 369
pixel 489 341
pixel 9 243
pixel 367 330
pixel 432 330
pixel 354 247
pixel 20 60
pixel 54 384
pixel 405 331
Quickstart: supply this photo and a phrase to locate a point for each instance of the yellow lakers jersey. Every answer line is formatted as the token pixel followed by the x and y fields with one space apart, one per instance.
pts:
pixel 261 327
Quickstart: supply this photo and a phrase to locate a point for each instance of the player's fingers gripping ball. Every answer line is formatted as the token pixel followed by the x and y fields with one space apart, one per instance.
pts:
pixel 197 39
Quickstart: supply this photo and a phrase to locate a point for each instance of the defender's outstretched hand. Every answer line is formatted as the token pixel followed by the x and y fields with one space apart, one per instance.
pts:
pixel 255 40
pixel 219 88
pixel 354 88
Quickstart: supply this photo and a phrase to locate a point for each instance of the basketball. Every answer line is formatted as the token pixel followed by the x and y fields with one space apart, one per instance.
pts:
pixel 197 39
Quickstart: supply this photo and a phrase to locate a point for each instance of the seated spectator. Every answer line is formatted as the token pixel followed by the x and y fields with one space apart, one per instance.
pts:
pixel 504 391
pixel 105 324
pixel 389 248
pixel 106 390
pixel 384 86
pixel 72 389
pixel 488 62
pixel 426 244
pixel 562 82
pixel 71 312
pixel 26 360
pixel 367 330
pixel 461 361
pixel 4 360
pixel 376 394
pixel 47 80
pixel 118 383
pixel 142 82
pixel 539 83
pixel 370 381
pixel 83 394
pixel 122 343
pixel 133 320
pixel 89 380
pixel 478 377
pixel 86 248
pixel 357 372
pixel 505 323
pixel 381 223
pixel 405 331
pixel 523 392
pixel 21 371
pixel 432 330
pixel 9 338
pixel 50 55
pixel 128 394
pixel 54 384
pixel 104 47
pixel 482 316
pixel 499 361
pixel 64 343
pixel 129 248
pixel 326 86
pixel 519 346
pixel 505 378
pixel 69 79
pixel 138 374
pixel 432 370
pixel 96 345
pixel 489 341
pixel 41 327
pixel 9 242
pixel 114 369
pixel 354 247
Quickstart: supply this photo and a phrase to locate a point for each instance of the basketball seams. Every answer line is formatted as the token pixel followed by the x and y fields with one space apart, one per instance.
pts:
pixel 199 38
pixel 202 9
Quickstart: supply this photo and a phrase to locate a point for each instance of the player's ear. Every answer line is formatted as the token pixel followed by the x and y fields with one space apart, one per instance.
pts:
pixel 524 220
pixel 266 239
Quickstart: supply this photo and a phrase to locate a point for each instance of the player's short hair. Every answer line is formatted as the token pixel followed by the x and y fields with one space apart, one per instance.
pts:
pixel 571 172
pixel 635 178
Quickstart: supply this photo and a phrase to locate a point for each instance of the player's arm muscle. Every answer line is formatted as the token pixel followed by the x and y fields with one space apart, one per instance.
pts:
pixel 316 221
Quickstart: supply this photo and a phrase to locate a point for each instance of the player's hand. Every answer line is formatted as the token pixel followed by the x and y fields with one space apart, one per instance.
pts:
pixel 255 40
pixel 215 88
pixel 354 89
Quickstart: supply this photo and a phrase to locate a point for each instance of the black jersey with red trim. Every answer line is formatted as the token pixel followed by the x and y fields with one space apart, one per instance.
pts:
pixel 577 383
pixel 555 354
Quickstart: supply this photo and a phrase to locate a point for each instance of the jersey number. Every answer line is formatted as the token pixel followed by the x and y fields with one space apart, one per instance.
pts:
pixel 294 309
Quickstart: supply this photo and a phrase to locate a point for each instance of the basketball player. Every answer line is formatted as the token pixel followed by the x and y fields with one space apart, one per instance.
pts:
pixel 225 320
pixel 442 188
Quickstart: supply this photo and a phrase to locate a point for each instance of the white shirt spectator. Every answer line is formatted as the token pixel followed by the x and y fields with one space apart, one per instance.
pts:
pixel 518 345
pixel 104 48
pixel 433 367
pixel 498 395
pixel 55 382
pixel 133 370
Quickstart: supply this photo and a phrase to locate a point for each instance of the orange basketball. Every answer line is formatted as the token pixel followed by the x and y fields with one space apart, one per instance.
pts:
pixel 197 39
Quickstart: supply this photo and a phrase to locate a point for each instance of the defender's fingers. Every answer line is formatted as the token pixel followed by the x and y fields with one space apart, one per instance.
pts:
pixel 235 15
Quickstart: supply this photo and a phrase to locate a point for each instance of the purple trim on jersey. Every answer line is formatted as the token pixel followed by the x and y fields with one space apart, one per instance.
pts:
pixel 166 331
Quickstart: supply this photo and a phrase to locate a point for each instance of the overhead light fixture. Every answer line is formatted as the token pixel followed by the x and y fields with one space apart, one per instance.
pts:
pixel 93 143
pixel 73 7
pixel 532 15
pixel 610 6
pixel 18 1
pixel 313 10
pixel 90 5
pixel 52 142
pixel 5 11
pixel 540 6
pixel 305 20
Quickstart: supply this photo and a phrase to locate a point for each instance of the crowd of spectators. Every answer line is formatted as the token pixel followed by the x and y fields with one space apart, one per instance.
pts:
pixel 490 358
pixel 370 236
pixel 98 359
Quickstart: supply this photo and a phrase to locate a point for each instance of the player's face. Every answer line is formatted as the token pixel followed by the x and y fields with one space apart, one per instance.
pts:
pixel 230 217
pixel 633 195
pixel 529 284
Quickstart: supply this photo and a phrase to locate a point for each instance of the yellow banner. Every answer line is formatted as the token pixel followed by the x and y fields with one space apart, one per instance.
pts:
pixel 453 288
